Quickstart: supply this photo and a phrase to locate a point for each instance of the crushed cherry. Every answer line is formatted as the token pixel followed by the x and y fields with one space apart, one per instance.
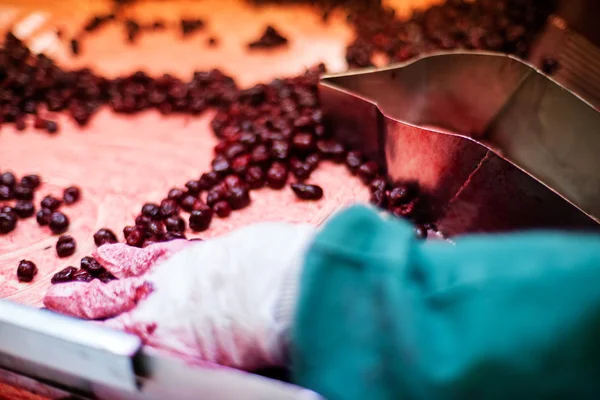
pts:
pixel 156 229
pixel 175 194
pixel 304 142
pixel 175 224
pixel 378 184
pixel 105 276
pixel 277 175
pixel 200 219
pixel 189 26
pixel 51 127
pixel 174 236
pixel 8 179
pixel 51 203
pixel 214 196
pixel 104 236
pixel 134 236
pixel 379 198
pixel 21 192
pixel 7 209
pixel 255 177
pixel 132 29
pixel 222 209
pixel 31 181
pixel 65 246
pixel 300 169
pixel 232 181
pixel 6 192
pixel 75 48
pixel 26 271
pixel 187 202
pixel 58 223
pixel 238 197
pixel 142 221
pixel 404 210
pixel 64 275
pixel 421 231
pixel 208 180
pixel 151 210
pixel 91 265
pixel 71 195
pixel 20 124
pixel 307 192
pixel 354 160
pixel 168 207
pixel 158 25
pixel 270 38
pixel 193 187
pixel 39 123
pixel 260 155
pixel 82 276
pixel 8 222
pixel 24 208
pixel 367 171
pixel 43 217
pixel 332 150
pixel 401 194
pixel 98 21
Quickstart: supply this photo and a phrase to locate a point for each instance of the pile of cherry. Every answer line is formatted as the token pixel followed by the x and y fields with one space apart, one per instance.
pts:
pixel 269 135
pixel 507 26
pixel 20 193
pixel 271 38
pixel 17 203
pixel 132 28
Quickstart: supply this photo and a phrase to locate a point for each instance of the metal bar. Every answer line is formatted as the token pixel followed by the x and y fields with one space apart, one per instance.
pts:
pixel 49 346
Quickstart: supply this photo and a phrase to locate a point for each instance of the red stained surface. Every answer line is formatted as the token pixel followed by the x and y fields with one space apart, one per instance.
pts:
pixel 121 162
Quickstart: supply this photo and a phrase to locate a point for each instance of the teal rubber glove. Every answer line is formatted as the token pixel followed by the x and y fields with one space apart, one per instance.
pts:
pixel 382 315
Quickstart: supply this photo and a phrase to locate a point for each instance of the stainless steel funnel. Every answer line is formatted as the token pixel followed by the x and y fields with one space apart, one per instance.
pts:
pixel 496 144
